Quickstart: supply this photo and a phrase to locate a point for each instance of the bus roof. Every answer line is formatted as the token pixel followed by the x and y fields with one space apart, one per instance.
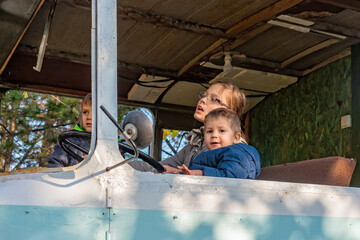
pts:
pixel 168 51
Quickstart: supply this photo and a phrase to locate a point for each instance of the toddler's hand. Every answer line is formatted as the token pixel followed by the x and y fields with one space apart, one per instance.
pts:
pixel 171 170
pixel 184 170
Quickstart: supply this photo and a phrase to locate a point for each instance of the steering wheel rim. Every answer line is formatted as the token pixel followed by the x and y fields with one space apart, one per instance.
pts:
pixel 63 140
pixel 146 158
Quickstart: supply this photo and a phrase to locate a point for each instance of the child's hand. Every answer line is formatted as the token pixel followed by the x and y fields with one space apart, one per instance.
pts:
pixel 171 170
pixel 186 170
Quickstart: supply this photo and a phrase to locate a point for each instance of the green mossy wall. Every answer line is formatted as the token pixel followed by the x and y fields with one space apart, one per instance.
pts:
pixel 303 121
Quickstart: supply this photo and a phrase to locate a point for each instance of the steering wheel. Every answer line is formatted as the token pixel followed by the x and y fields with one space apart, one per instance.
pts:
pixel 65 143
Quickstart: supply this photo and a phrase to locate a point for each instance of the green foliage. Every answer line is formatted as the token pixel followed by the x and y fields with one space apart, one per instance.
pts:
pixel 170 134
pixel 303 121
pixel 123 110
pixel 29 126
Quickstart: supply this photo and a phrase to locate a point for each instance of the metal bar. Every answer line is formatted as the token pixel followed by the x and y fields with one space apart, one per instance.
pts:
pixel 104 65
pixel 45 36
pixel 126 137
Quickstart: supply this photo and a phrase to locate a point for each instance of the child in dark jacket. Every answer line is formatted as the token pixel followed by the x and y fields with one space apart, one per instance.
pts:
pixel 59 158
pixel 227 157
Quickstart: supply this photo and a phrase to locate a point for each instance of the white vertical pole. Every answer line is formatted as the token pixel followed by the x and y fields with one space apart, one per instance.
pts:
pixel 104 67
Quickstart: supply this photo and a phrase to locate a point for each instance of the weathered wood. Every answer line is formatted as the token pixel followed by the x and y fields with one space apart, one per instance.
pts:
pixel 327 61
pixel 57 75
pixel 242 26
pixel 328 27
pixel 21 36
pixel 264 14
pixel 82 4
pixel 267 66
pixel 349 4
pixel 158 137
pixel 146 69
pixel 308 51
pixel 129 13
pixel 45 89
pixel 249 35
pixel 325 53
pixel 355 108
pixel 180 24
pixel 208 50
pixel 261 62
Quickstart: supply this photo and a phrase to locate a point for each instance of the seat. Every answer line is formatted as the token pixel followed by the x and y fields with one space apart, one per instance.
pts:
pixel 335 171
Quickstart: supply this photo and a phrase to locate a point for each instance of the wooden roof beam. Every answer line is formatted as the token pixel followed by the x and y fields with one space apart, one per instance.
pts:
pixel 208 50
pixel 308 51
pixel 249 35
pixel 85 59
pixel 327 61
pixel 179 24
pixel 326 53
pixel 328 27
pixel 348 4
pixel 147 69
pixel 129 13
pixel 245 24
pixel 36 10
pixel 263 15
pixel 268 66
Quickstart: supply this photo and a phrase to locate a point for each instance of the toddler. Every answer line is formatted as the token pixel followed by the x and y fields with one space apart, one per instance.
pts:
pixel 227 157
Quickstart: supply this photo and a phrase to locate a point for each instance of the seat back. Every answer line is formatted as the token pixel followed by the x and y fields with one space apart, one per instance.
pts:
pixel 335 171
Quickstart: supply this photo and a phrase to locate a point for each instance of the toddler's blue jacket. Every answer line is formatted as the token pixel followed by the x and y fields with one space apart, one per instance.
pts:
pixel 234 161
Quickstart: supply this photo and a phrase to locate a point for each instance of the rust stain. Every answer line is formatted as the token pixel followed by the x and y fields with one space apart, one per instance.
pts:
pixel 31 170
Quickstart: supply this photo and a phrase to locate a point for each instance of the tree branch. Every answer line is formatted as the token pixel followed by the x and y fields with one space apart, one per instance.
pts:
pixel 167 152
pixel 55 126
pixel 170 146
pixel 27 153
pixel 7 131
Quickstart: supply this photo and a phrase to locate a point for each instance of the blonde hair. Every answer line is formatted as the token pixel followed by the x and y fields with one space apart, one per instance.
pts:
pixel 236 99
pixel 86 100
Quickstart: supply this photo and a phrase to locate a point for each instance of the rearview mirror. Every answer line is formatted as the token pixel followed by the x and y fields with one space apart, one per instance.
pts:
pixel 139 128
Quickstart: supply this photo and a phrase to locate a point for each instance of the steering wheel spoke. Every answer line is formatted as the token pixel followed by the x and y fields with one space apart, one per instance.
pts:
pixel 68 146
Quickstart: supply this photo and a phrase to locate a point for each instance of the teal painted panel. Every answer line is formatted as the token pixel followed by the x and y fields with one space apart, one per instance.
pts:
pixel 149 224
pixel 52 223
pixel 33 222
